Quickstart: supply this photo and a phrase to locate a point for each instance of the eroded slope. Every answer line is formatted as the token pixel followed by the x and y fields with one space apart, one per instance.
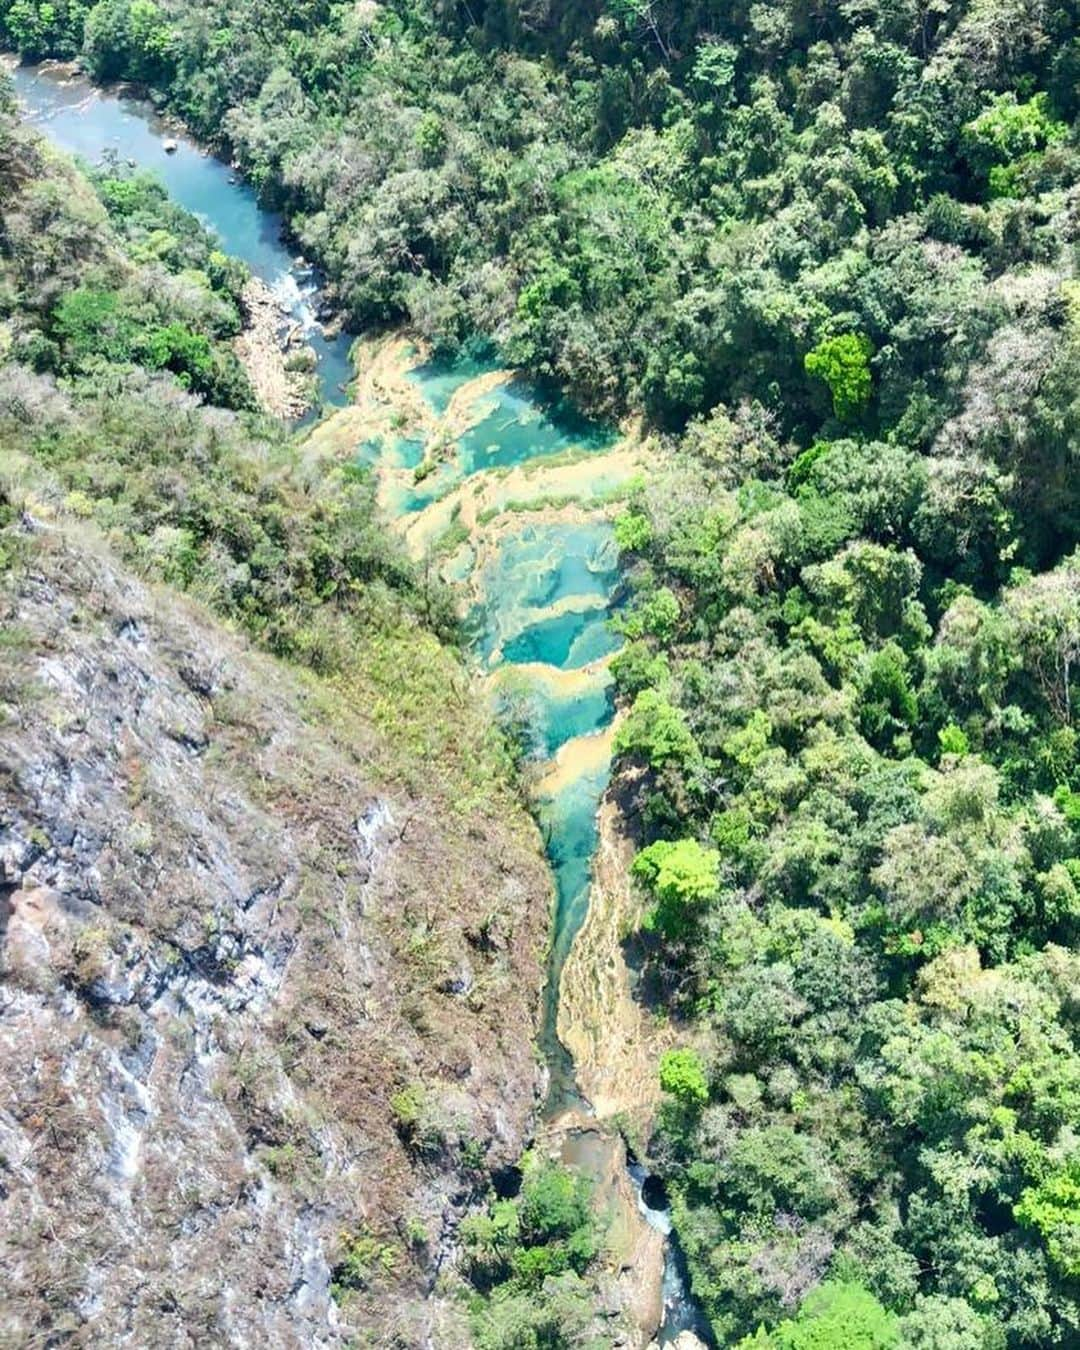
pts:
pixel 256 993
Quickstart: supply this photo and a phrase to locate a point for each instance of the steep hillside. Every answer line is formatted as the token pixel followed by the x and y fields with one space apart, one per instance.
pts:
pixel 828 254
pixel 271 921
pixel 268 1008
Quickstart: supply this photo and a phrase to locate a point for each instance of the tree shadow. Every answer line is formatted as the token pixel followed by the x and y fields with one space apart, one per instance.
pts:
pixel 657 984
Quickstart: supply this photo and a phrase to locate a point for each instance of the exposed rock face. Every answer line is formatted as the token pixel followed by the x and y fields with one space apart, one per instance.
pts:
pixel 686 1340
pixel 631 1281
pixel 227 940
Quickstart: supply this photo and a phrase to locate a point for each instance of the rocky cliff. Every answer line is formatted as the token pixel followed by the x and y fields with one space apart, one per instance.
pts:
pixel 267 1002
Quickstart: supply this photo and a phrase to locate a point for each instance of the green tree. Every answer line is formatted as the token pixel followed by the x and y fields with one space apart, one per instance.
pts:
pixel 633 532
pixel 843 362
pixel 1008 132
pixel 647 16
pixel 554 1204
pixel 888 704
pixel 176 348
pixel 835 1317
pixel 1053 1209
pixel 682 876
pixel 656 731
pixel 656 615
pixel 39 28
pixel 941 1323
pixel 129 39
pixel 89 322
pixel 682 1075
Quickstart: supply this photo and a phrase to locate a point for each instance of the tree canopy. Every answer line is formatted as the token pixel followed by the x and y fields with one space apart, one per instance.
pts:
pixel 828 254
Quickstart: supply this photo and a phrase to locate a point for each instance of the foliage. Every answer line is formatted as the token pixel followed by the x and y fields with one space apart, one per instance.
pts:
pixel 848 694
pixel 683 1075
pixel 834 1317
pixel 363 1259
pixel 526 1257
pixel 632 532
pixel 1008 133
pixel 656 616
pixel 681 875
pixel 844 364
pixel 38 28
pixel 1053 1209
pixel 129 39
pixel 656 730
pixel 418 1120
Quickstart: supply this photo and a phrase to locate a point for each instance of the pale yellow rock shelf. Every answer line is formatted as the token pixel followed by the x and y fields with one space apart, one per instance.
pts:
pixel 384 401
pixel 389 404
pixel 561 684
pixel 579 758
pixel 493 502
pixel 616 1045
pixel 517 621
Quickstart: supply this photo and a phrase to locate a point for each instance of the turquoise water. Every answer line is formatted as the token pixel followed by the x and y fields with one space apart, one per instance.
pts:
pixel 408 452
pixel 568 641
pixel 516 430
pixel 547 562
pixel 413 499
pixel 571 568
pixel 513 426
pixel 553 715
pixel 534 570
pixel 538 568
pixel 92 124
pixel 402 452
pixel 440 380
pixel 562 721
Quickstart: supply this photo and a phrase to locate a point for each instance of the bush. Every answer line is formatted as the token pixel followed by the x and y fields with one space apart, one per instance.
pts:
pixel 682 1074
pixel 542 1240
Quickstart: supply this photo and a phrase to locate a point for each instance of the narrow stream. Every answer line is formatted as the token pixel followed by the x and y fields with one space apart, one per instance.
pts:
pixel 545 581
pixel 681 1313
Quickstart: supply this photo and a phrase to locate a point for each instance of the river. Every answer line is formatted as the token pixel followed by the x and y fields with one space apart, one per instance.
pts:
pixel 92 123
pixel 520 509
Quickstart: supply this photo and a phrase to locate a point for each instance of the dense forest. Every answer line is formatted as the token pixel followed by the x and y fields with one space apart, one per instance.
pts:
pixel 829 252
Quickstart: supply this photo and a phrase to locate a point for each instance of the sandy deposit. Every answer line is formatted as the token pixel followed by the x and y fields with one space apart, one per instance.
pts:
pixel 264 349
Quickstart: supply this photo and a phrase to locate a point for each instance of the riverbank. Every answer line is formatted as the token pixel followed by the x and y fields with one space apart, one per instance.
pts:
pixel 616 1045
pixel 523 544
pixel 255 1063
pixel 633 1290
pixel 94 123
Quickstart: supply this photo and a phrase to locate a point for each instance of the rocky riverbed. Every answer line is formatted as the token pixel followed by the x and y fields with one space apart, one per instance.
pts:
pixel 272 350
pixel 616 1045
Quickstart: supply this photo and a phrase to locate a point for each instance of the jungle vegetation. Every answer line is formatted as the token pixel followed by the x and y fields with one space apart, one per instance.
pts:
pixel 829 251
